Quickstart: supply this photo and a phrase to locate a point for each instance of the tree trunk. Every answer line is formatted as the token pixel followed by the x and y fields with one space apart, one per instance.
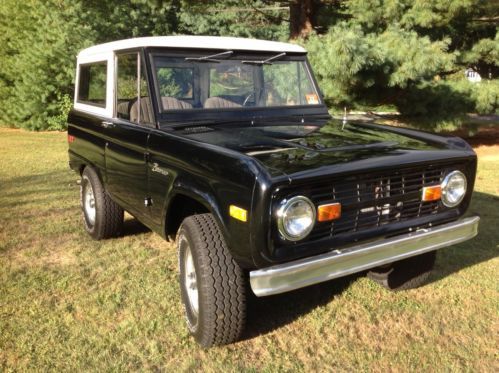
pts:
pixel 302 18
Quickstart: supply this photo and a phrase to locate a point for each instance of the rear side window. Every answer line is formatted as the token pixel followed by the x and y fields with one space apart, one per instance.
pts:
pixel 92 84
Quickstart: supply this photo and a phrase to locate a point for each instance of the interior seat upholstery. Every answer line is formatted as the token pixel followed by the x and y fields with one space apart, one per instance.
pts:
pixel 123 109
pixel 169 103
pixel 219 103
pixel 145 111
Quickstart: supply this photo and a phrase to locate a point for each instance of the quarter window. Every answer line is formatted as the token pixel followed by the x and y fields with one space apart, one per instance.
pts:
pixel 92 84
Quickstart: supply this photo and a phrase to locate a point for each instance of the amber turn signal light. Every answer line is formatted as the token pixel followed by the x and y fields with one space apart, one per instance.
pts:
pixel 238 213
pixel 328 212
pixel 432 193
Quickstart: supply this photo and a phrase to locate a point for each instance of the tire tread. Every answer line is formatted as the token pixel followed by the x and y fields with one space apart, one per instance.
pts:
pixel 109 216
pixel 223 284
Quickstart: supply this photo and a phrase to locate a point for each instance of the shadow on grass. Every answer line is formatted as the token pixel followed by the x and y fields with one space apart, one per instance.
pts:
pixel 268 313
pixel 133 227
pixel 37 189
pixel 481 248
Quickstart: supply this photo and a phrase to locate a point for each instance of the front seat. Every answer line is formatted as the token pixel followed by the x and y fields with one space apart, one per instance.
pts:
pixel 145 111
pixel 219 103
pixel 169 103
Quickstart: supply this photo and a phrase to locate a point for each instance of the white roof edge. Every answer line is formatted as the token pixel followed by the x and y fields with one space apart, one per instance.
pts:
pixel 194 42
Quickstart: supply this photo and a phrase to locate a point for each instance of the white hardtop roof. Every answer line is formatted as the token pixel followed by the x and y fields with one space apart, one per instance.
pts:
pixel 198 42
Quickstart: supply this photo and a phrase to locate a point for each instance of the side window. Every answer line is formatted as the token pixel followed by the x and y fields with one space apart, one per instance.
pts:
pixel 92 84
pixel 126 85
pixel 132 100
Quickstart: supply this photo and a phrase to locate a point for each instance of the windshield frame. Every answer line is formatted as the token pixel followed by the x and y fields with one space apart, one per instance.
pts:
pixel 200 114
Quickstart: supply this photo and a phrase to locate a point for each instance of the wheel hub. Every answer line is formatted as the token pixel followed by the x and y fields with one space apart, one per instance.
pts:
pixel 89 203
pixel 190 280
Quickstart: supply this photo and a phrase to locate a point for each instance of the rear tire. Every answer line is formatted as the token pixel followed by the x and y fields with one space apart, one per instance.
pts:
pixel 103 218
pixel 212 284
pixel 406 274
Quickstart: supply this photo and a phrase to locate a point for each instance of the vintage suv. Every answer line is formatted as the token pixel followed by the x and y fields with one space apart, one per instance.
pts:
pixel 226 145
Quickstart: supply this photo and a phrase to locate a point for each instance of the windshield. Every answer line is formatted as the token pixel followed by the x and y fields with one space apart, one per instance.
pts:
pixel 222 81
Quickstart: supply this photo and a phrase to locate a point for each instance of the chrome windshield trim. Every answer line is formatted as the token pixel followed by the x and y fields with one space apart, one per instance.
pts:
pixel 338 263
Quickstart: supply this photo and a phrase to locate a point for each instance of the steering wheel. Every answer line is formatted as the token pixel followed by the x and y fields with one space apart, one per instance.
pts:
pixel 262 89
pixel 247 98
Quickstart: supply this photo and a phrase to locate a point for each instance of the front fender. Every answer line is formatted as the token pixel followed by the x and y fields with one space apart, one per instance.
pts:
pixel 216 198
pixel 196 192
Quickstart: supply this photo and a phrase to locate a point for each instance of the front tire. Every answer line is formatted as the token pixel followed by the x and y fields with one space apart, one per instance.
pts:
pixel 212 284
pixel 103 218
pixel 406 274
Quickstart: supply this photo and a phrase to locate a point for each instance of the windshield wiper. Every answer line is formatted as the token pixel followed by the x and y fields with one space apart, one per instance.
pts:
pixel 265 62
pixel 210 58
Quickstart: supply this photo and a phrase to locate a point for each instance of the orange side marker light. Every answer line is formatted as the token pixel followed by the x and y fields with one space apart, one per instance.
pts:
pixel 328 212
pixel 432 193
pixel 238 213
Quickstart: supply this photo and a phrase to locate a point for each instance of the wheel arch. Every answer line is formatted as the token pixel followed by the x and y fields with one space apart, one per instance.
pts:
pixel 97 170
pixel 184 203
pixel 78 164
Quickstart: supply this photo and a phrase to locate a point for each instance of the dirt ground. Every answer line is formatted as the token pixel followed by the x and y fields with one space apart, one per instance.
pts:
pixel 488 136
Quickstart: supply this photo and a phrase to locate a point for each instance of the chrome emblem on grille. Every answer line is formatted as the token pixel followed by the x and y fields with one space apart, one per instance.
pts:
pixel 381 190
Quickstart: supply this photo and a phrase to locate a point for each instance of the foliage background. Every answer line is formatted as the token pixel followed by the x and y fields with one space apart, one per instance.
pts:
pixel 408 55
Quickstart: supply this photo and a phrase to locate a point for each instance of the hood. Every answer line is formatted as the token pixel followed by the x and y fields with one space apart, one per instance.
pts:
pixel 307 148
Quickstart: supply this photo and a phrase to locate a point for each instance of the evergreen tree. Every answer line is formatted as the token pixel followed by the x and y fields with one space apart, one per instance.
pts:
pixel 39 41
pixel 410 53
pixel 398 51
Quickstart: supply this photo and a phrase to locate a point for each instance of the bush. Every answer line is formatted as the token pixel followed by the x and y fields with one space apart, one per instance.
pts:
pixel 486 97
pixel 450 98
pixel 443 105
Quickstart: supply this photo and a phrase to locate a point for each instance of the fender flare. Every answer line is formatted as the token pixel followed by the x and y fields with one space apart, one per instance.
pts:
pixel 199 193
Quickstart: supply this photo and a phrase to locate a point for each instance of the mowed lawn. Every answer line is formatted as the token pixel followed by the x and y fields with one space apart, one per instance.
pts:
pixel 70 303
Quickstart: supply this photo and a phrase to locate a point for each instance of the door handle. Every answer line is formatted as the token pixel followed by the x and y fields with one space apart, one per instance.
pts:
pixel 107 124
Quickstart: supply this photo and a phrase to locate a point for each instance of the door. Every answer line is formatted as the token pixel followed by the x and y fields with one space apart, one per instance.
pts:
pixel 128 132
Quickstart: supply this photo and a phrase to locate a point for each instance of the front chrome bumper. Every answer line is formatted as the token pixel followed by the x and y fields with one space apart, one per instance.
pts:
pixel 308 271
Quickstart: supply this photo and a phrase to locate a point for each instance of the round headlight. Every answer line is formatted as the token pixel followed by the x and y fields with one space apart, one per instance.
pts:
pixel 453 188
pixel 296 218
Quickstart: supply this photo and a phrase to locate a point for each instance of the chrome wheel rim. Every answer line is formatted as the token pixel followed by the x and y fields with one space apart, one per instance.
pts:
pixel 190 280
pixel 89 203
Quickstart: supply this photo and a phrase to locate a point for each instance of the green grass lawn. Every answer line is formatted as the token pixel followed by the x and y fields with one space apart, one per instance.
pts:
pixel 70 303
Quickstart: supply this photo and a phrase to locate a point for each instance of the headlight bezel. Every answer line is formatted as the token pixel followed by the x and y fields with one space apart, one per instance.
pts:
pixel 445 192
pixel 284 206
